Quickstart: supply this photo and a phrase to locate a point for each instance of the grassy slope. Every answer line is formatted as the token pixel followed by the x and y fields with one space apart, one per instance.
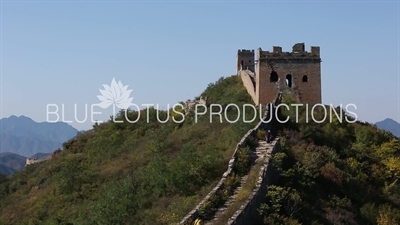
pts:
pixel 121 173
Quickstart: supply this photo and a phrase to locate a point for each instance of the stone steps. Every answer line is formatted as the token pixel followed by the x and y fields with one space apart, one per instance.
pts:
pixel 259 154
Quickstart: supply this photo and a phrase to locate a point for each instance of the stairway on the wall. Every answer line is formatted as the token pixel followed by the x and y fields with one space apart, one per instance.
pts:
pixel 258 155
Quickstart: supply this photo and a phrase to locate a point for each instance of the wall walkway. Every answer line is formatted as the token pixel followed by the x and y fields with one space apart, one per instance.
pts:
pixel 248 213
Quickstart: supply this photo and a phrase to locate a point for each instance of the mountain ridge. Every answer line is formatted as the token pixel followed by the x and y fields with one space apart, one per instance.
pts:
pixel 23 126
pixel 21 137
pixel 11 162
pixel 390 125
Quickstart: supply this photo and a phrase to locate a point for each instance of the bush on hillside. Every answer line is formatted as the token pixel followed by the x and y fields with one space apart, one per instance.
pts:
pixel 334 172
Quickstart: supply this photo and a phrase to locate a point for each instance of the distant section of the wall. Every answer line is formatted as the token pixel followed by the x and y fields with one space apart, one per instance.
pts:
pixel 34 160
pixel 190 104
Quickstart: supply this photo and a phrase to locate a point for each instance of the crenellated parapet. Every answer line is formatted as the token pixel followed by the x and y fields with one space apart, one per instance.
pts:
pixel 245 52
pixel 298 53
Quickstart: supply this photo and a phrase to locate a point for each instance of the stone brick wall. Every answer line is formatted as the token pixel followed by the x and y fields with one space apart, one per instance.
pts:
pixel 307 92
pixel 248 82
pixel 33 161
pixel 252 132
pixel 192 214
pixel 303 67
pixel 245 60
pixel 190 104
pixel 248 212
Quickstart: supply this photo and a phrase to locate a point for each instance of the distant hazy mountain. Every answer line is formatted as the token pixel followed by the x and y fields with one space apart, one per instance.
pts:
pixel 389 125
pixel 23 136
pixel 6 170
pixel 10 162
pixel 26 146
pixel 23 126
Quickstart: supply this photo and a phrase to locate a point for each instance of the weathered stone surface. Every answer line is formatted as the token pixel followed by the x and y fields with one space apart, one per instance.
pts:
pixel 272 70
pixel 299 47
pixel 189 104
pixel 247 214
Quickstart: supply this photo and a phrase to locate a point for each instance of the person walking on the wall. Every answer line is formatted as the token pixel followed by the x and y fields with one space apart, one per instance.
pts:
pixel 268 139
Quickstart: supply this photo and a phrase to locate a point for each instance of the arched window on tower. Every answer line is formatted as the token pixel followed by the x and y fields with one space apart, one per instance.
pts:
pixel 273 77
pixel 305 78
pixel 289 80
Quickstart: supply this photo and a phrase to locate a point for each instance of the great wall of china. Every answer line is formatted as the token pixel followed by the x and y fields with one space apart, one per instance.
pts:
pixel 30 161
pixel 263 78
pixel 247 214
pixel 263 75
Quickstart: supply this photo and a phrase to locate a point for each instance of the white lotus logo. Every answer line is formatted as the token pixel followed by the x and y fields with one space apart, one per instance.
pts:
pixel 116 94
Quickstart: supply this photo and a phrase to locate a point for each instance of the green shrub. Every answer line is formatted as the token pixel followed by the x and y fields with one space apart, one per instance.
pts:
pixel 208 209
pixel 252 142
pixel 243 161
pixel 369 212
pixel 230 185
pixel 261 134
pixel 218 199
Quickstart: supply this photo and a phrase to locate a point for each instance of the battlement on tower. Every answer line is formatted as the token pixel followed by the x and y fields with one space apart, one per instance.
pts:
pixel 298 52
pixel 245 52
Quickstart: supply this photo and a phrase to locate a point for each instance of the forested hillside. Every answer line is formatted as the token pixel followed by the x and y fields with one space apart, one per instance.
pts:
pixel 129 173
pixel 334 173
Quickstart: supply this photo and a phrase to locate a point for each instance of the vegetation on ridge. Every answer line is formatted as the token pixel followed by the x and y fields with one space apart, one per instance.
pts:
pixel 152 173
pixel 334 173
pixel 129 173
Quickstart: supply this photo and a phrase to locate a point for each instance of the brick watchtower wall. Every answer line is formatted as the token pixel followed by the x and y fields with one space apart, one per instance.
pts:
pixel 299 71
pixel 245 60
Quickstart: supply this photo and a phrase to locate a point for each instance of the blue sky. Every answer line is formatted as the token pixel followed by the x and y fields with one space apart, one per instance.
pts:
pixel 62 52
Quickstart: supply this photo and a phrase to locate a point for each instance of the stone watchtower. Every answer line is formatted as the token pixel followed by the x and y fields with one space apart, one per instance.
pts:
pixel 299 71
pixel 245 60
